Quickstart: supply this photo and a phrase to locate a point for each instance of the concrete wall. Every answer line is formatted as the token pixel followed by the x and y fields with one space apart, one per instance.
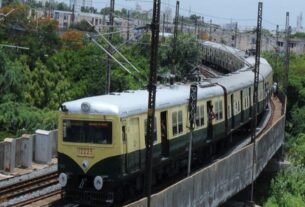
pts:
pixel 218 182
pixel 1 156
pixel 19 152
pixel 54 136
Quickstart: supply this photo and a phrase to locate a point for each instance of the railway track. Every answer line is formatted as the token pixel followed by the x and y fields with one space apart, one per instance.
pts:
pixel 28 191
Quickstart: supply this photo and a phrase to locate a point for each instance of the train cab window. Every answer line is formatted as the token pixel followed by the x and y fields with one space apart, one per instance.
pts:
pixel 155 129
pixel 200 116
pixel 97 132
pixel 177 122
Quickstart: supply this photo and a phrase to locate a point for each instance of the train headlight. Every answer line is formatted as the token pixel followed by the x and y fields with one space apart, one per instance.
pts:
pixel 63 179
pixel 98 182
pixel 85 164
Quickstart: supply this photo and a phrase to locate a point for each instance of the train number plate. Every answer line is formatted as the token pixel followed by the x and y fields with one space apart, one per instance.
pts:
pixel 85 152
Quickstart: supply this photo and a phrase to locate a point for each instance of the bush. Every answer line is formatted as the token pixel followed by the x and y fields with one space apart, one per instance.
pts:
pixel 18 118
pixel 288 188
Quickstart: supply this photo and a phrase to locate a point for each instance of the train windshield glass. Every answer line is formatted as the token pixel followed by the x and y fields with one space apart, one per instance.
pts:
pixel 97 132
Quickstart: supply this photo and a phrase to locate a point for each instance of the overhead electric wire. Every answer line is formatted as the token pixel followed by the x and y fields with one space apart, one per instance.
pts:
pixel 108 53
pixel 105 39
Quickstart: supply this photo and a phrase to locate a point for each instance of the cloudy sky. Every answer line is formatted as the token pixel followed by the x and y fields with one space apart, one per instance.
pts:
pixel 223 11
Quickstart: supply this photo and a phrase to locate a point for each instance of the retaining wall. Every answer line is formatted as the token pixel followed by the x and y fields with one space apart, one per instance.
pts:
pixel 221 180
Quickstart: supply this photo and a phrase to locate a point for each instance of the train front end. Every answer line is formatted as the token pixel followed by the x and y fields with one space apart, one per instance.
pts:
pixel 89 155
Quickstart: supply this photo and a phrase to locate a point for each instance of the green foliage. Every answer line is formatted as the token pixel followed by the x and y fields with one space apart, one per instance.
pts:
pixel 188 55
pixel 83 26
pixel 13 79
pixel 16 119
pixel 288 189
pixel 287 200
pixel 299 35
pixel 58 69
pixel 89 9
pixel 296 150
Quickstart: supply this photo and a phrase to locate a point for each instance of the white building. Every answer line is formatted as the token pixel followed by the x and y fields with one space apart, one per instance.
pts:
pixel 65 20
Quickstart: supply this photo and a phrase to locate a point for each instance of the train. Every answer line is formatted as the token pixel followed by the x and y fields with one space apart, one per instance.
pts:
pixel 101 140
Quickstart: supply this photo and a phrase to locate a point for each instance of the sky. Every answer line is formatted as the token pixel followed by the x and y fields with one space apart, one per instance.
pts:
pixel 225 11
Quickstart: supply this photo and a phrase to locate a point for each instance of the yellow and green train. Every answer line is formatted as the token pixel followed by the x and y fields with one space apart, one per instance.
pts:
pixel 101 144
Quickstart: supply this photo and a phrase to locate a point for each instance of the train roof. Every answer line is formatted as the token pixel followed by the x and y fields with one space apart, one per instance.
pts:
pixel 244 77
pixel 225 48
pixel 129 103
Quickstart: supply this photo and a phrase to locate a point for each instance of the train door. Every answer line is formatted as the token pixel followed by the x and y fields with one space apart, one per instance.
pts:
pixel 242 105
pixel 133 145
pixel 164 137
pixel 232 112
pixel 211 116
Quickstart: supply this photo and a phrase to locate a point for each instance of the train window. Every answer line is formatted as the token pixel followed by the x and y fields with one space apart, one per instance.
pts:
pixel 177 122
pixel 229 111
pixel 97 132
pixel 180 122
pixel 218 110
pixel 155 129
pixel 200 116
pixel 174 123
pixel 197 117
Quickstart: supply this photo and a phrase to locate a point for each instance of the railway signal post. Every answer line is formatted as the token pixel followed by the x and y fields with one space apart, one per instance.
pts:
pixel 192 114
pixel 152 96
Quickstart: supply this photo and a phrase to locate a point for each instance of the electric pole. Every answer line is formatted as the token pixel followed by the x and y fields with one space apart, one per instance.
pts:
pixel 175 39
pixel 235 35
pixel 127 38
pixel 210 33
pixel 255 92
pixel 163 28
pixel 277 45
pixel 73 14
pixel 277 39
pixel 152 97
pixel 287 53
pixel 167 26
pixel 108 70
pixel 196 25
pixel 181 24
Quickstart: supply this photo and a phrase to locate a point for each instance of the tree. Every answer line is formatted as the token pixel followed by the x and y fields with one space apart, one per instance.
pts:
pixel 72 39
pixel 40 86
pixel 194 17
pixel 288 189
pixel 188 55
pixel 105 11
pixel 63 7
pixel 13 79
pixel 82 26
